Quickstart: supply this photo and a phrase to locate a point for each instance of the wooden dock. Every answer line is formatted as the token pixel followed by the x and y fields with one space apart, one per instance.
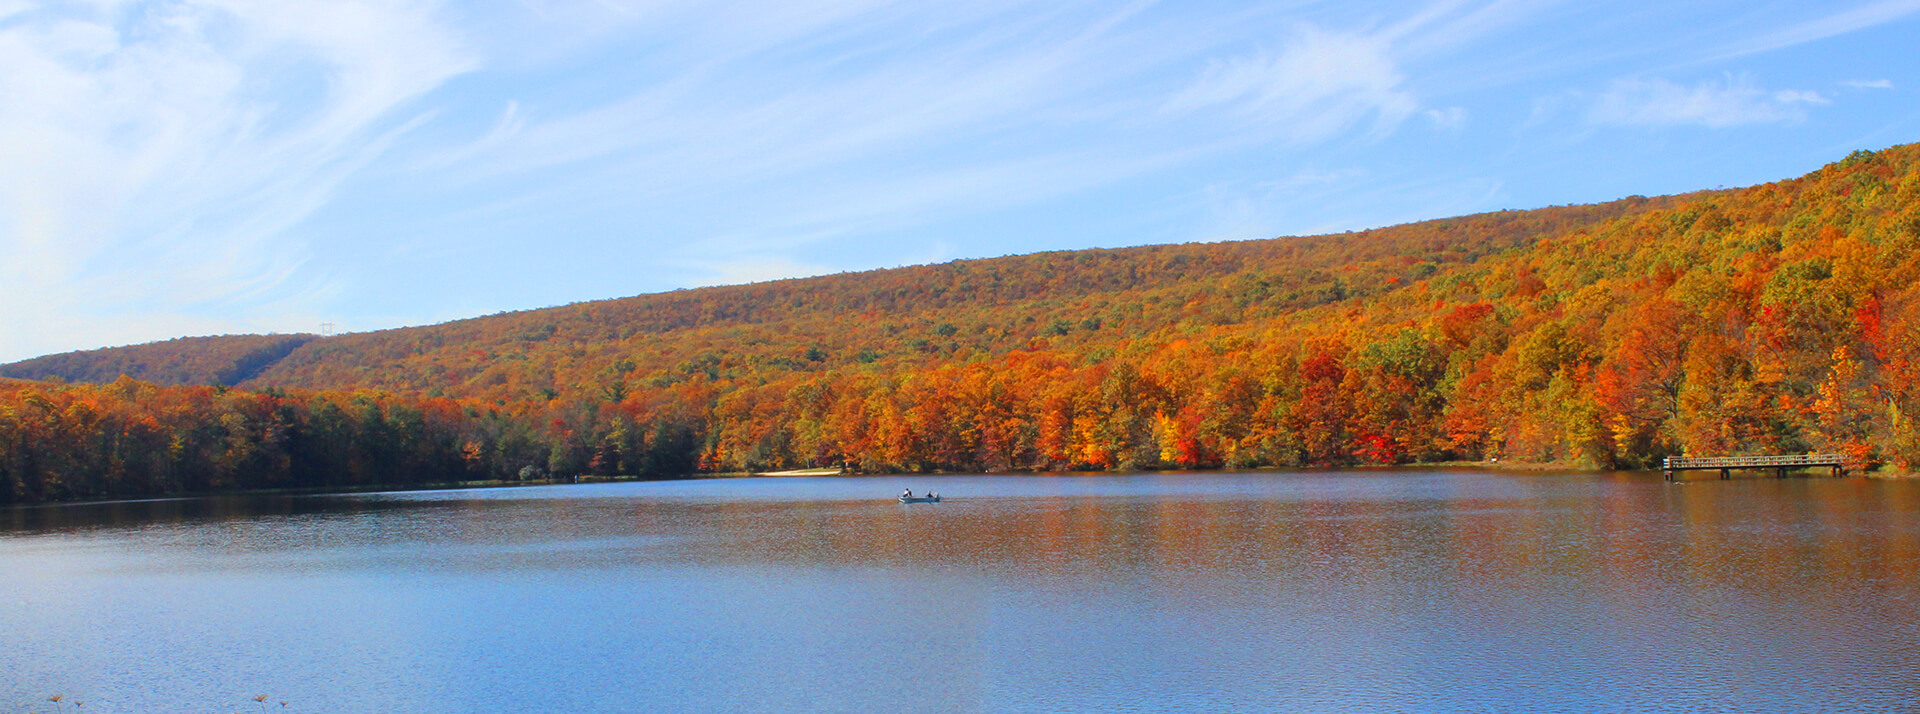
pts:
pixel 1726 464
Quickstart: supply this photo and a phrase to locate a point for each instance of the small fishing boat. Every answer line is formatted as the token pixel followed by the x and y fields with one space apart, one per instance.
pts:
pixel 919 499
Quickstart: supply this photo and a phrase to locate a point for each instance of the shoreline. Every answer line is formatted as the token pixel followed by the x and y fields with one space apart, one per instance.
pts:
pixel 1517 467
pixel 341 490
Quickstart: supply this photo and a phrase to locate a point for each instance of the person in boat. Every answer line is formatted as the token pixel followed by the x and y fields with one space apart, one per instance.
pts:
pixel 908 493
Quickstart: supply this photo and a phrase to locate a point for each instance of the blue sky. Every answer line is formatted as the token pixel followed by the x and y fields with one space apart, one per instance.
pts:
pixel 223 166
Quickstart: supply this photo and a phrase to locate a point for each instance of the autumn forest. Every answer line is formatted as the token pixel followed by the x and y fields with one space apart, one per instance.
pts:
pixel 1779 318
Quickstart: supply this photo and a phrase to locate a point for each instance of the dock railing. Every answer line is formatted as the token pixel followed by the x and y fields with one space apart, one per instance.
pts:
pixel 1840 463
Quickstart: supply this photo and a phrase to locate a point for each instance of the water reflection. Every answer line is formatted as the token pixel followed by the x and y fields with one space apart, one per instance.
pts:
pixel 1274 592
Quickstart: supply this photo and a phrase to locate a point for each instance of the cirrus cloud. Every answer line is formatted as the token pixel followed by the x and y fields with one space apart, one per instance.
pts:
pixel 1714 104
pixel 1318 86
pixel 152 154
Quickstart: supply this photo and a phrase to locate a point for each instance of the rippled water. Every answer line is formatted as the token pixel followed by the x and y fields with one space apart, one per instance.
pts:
pixel 1311 592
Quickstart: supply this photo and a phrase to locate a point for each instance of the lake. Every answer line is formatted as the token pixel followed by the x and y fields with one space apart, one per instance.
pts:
pixel 1303 591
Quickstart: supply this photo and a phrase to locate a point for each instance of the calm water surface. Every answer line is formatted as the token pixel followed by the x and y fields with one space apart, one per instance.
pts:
pixel 1310 592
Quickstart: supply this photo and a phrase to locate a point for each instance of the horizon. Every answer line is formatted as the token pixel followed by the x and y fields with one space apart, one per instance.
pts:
pixel 190 169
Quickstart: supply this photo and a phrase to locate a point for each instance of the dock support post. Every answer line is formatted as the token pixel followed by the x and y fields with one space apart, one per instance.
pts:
pixel 1726 474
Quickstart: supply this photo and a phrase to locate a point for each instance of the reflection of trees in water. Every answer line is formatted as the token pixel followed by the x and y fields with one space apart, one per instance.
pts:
pixel 1614 540
pixel 1628 540
pixel 187 511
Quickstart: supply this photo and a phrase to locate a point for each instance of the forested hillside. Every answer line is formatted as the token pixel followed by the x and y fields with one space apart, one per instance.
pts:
pixel 1776 318
pixel 908 319
pixel 220 360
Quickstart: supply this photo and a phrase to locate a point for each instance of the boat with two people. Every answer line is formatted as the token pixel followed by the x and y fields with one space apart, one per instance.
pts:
pixel 907 496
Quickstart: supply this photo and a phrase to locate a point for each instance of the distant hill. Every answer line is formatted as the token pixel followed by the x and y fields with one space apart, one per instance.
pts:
pixel 1777 318
pixel 905 317
pixel 221 360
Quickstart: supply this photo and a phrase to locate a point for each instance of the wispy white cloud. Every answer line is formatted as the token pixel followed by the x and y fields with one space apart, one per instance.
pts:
pixel 1799 96
pixel 724 116
pixel 1868 84
pixel 1833 25
pixel 1450 118
pixel 153 155
pixel 1318 86
pixel 1716 104
pixel 752 271
pixel 1449 25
